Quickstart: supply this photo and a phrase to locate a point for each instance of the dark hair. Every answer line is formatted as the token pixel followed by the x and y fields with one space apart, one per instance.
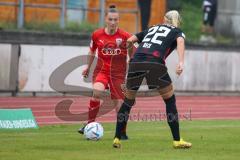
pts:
pixel 112 9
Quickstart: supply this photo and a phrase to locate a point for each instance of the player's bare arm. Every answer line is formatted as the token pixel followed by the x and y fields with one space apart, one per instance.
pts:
pixel 91 56
pixel 180 51
pixel 130 42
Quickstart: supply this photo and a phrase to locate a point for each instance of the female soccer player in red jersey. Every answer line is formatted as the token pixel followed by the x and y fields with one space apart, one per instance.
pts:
pixel 110 71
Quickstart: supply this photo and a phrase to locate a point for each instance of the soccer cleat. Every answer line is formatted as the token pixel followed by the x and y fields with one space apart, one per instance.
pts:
pixel 81 130
pixel 124 136
pixel 181 144
pixel 116 143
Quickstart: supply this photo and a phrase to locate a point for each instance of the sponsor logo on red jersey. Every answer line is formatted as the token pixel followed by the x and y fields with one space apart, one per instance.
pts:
pixel 111 51
pixel 112 48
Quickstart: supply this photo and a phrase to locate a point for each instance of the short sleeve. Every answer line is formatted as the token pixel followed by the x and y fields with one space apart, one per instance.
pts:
pixel 180 34
pixel 141 35
pixel 93 44
pixel 128 35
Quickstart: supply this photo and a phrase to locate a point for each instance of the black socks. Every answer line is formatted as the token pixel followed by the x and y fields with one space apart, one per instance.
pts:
pixel 123 115
pixel 172 117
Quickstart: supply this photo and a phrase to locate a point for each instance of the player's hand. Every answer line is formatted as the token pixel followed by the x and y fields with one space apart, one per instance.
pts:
pixel 85 73
pixel 179 68
pixel 123 87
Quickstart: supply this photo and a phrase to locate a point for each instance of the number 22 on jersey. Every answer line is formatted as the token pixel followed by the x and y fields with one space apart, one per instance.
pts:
pixel 153 34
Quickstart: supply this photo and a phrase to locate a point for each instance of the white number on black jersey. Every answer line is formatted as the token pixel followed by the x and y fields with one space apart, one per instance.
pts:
pixel 152 36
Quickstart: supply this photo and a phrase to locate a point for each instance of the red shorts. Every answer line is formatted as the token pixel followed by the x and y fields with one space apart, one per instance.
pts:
pixel 113 82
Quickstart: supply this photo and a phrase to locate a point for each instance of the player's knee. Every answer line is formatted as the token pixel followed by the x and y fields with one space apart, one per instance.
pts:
pixel 97 94
pixel 98 90
pixel 166 92
pixel 130 94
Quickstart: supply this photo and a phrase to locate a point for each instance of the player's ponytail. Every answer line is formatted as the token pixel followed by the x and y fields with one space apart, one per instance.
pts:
pixel 173 17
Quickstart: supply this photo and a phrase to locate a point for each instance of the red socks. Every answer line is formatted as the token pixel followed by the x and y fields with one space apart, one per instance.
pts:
pixel 93 110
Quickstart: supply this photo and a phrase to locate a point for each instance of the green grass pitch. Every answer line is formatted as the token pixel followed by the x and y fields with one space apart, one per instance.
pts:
pixel 211 140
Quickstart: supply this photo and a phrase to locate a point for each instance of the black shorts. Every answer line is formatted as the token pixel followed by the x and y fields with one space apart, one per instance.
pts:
pixel 209 15
pixel 156 75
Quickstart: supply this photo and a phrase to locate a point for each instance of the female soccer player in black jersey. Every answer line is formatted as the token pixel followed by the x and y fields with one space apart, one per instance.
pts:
pixel 155 44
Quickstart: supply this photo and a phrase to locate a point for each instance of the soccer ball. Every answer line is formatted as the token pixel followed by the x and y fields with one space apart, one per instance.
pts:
pixel 93 131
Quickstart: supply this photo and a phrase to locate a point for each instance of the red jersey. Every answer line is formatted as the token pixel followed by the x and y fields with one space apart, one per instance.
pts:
pixel 111 50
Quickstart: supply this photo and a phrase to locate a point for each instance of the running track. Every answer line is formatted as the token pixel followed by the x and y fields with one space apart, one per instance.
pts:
pixel 150 108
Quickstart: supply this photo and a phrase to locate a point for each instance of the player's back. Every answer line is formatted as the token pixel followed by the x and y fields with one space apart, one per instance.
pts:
pixel 157 42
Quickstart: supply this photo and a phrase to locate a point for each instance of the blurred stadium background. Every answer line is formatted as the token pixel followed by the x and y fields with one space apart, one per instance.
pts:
pixel 39 37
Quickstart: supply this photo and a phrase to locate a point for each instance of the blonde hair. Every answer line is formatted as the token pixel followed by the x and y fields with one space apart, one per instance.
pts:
pixel 173 17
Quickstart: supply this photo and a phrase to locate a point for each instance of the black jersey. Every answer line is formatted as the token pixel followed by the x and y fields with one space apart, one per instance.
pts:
pixel 156 43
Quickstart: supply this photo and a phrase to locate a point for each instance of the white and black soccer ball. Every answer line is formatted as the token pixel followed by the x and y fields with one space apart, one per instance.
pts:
pixel 93 131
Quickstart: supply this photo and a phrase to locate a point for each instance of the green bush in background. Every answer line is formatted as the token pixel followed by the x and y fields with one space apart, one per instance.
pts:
pixel 192 19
